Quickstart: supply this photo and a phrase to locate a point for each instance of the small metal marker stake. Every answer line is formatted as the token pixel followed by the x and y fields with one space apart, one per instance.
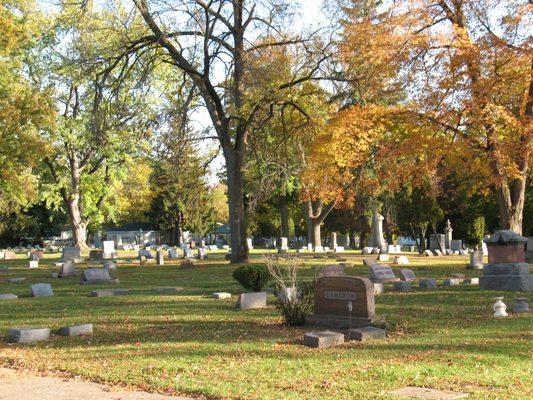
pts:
pixel 350 308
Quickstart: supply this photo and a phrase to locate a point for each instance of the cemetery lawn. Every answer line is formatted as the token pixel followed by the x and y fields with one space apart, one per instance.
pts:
pixel 193 345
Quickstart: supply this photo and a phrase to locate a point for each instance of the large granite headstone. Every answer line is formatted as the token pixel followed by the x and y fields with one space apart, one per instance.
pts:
pixel 71 253
pixel 41 290
pixel 335 296
pixel 437 241
pixel 507 269
pixel 96 276
pixel 382 273
pixel 35 255
pixel 146 254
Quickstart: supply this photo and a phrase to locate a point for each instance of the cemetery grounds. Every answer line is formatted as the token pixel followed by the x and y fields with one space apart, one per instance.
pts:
pixel 191 344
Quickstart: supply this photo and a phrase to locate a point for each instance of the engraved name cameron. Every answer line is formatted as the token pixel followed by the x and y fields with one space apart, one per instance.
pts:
pixel 336 295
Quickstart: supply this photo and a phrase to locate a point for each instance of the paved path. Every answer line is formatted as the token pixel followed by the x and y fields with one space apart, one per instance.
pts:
pixel 15 385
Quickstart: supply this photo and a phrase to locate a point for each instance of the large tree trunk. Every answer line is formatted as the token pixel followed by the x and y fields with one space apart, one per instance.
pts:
pixel 237 222
pixel 78 225
pixel 284 215
pixel 315 215
pixel 511 205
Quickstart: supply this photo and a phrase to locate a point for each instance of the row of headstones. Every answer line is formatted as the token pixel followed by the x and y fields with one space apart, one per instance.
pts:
pixel 34 335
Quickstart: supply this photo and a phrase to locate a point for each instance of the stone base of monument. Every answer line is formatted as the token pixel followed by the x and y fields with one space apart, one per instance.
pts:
pixel 323 339
pixel 511 276
pixel 28 335
pixel 337 322
pixel 366 333
pixel 76 330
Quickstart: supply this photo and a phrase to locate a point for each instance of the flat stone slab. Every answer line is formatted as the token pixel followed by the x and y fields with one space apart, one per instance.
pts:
pixel 167 290
pixel 366 333
pixel 402 286
pixel 41 290
pixel 28 335
pixel 427 283
pixel 8 296
pixel 452 282
pixel 16 279
pixel 109 292
pixel 471 281
pixel 323 339
pixel 426 393
pixel 248 301
pixel 76 330
pixel 221 295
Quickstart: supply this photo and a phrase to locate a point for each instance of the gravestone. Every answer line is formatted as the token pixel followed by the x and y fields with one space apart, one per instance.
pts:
pixel 16 279
pixel 201 253
pixel 146 254
pixel 33 264
pixel 173 254
pixel 319 249
pixel 110 265
pixel 160 260
pixel 383 257
pixel 41 290
pixel 428 253
pixel 248 301
pixel 71 253
pixel 9 255
pixel 221 295
pixel 463 252
pixel 369 261
pixel 249 244
pixel 213 247
pixel 96 255
pixel 449 252
pixel 402 286
pixel 382 273
pixel 188 253
pixel 92 276
pixel 366 333
pixel 507 269
pixel 336 296
pixel 76 330
pixel 323 340
pixel 109 251
pixel 401 260
pixel 407 275
pixel 427 283
pixel 448 235
pixel 437 252
pixel 109 292
pixel 452 282
pixel 339 249
pixel 35 255
pixel 8 296
pixel 436 241
pixel 366 250
pixel 167 290
pixel 332 270
pixel 456 245
pixel 67 269
pixel 28 335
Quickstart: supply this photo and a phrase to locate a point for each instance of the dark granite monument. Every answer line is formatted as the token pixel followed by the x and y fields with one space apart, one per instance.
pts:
pixel 341 302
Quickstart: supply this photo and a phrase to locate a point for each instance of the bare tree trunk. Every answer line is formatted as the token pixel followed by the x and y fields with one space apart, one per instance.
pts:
pixel 74 207
pixel 237 222
pixel 316 214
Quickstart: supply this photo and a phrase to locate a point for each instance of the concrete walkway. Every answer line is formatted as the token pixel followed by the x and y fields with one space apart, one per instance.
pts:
pixel 16 385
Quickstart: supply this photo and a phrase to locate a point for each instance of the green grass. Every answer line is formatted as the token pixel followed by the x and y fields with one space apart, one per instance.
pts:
pixel 192 344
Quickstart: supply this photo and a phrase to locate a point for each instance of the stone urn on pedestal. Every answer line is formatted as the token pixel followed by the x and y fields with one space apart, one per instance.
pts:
pixel 499 307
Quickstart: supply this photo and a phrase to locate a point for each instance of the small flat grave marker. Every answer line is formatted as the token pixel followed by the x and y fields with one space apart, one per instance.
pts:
pixel 323 339
pixel 109 292
pixel 427 283
pixel 401 260
pixel 452 282
pixel 167 290
pixel 28 335
pixel 426 393
pixel 407 274
pixel 366 333
pixel 33 264
pixel 8 296
pixel 221 295
pixel 41 290
pixel 382 273
pixel 67 269
pixel 16 279
pixel 248 301
pixel 76 330
pixel 402 286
